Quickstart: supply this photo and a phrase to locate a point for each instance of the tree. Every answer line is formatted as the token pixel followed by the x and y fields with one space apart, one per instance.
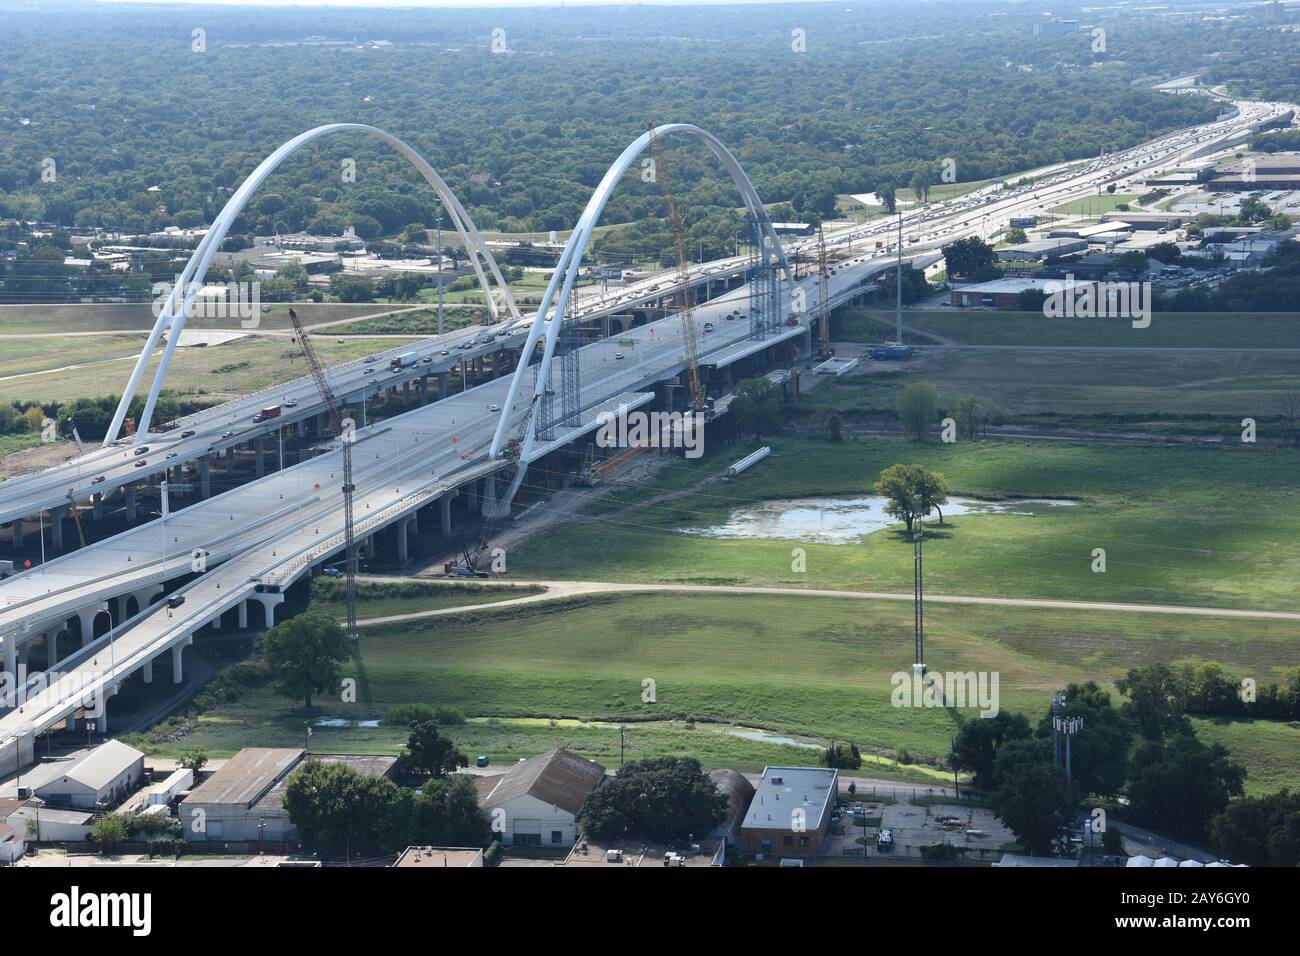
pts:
pixel 967 414
pixel 668 799
pixel 844 758
pixel 193 759
pixel 1035 801
pixel 447 813
pixel 110 828
pixel 887 192
pixel 1030 300
pixel 917 407
pixel 1100 752
pixel 338 810
pixel 1016 235
pixel 912 492
pixel 428 754
pixel 978 741
pixel 1156 701
pixel 756 405
pixel 1178 784
pixel 1260 831
pixel 969 256
pixel 305 655
pixel 921 181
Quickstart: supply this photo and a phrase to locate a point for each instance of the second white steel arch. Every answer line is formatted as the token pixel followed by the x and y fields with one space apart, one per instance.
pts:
pixel 570 261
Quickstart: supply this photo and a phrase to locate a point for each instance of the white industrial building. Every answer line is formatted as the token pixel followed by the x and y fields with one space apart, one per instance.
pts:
pixel 99 780
pixel 536 802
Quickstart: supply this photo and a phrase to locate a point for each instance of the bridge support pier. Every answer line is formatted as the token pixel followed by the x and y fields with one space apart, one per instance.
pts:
pixel 488 497
pixel 56 526
pixel 87 618
pixel 442 385
pixel 404 527
pixel 97 507
pixel 178 651
pixel 444 506
pixel 205 477
pixel 11 656
pixel 130 504
pixel 17 534
pixel 148 671
pixel 269 603
pixel 259 457
pixel 243 615
pixel 51 647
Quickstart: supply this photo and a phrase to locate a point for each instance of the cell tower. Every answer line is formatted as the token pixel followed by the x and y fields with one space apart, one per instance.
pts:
pixel 1063 727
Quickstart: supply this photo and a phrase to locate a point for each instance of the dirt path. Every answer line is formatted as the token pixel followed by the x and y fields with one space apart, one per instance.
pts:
pixel 563 589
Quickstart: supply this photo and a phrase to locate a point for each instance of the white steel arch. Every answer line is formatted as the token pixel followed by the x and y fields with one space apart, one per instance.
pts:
pixel 570 260
pixel 171 320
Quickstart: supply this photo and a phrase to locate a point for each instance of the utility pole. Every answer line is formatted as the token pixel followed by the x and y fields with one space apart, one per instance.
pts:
pixel 918 601
pixel 439 227
pixel 898 310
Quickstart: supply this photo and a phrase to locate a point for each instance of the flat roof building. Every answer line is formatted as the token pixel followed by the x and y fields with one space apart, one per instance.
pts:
pixel 439 857
pixel 1038 250
pixel 791 811
pixel 223 806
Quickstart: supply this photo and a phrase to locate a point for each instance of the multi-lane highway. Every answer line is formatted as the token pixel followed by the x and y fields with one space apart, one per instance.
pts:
pixel 259 537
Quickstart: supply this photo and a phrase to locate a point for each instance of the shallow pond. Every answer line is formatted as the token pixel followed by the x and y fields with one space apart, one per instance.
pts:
pixel 846 520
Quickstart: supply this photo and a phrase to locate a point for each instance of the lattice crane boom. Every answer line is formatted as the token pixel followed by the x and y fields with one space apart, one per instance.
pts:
pixel 336 426
pixel 689 336
pixel 823 294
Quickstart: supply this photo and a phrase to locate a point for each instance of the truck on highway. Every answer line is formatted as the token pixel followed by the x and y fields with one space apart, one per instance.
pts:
pixel 272 411
pixel 405 360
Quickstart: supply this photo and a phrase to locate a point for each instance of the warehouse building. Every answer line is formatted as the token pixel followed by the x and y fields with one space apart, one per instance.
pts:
pixel 1040 250
pixel 243 802
pixel 99 780
pixel 791 811
pixel 536 802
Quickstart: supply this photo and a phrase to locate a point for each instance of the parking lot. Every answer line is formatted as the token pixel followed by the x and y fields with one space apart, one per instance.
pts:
pixel 974 833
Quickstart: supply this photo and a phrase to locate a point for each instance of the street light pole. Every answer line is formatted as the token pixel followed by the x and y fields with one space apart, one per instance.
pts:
pixel 440 319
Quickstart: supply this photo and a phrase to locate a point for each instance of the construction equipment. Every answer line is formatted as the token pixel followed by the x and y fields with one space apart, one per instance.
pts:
pixel 823 296
pixel 76 516
pixel 346 436
pixel 689 335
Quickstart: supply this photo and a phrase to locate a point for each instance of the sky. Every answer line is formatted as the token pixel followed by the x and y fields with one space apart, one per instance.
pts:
pixel 464 4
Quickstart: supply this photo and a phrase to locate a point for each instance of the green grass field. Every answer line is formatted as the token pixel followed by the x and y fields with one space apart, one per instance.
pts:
pixel 1173 521
pixel 1172 330
pixel 1092 205
pixel 138 316
pixel 213 374
pixel 815 668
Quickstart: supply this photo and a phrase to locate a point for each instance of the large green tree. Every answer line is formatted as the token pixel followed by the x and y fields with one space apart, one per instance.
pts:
pixel 912 492
pixel 1177 785
pixel 660 798
pixel 305 655
pixel 1035 801
pixel 428 753
pixel 978 741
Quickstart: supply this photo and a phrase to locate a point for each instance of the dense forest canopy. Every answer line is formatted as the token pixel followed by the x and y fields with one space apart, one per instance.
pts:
pixel 144 132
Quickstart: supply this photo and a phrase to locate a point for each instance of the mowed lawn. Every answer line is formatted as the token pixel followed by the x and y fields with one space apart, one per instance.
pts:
pixel 815 667
pixel 1179 525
